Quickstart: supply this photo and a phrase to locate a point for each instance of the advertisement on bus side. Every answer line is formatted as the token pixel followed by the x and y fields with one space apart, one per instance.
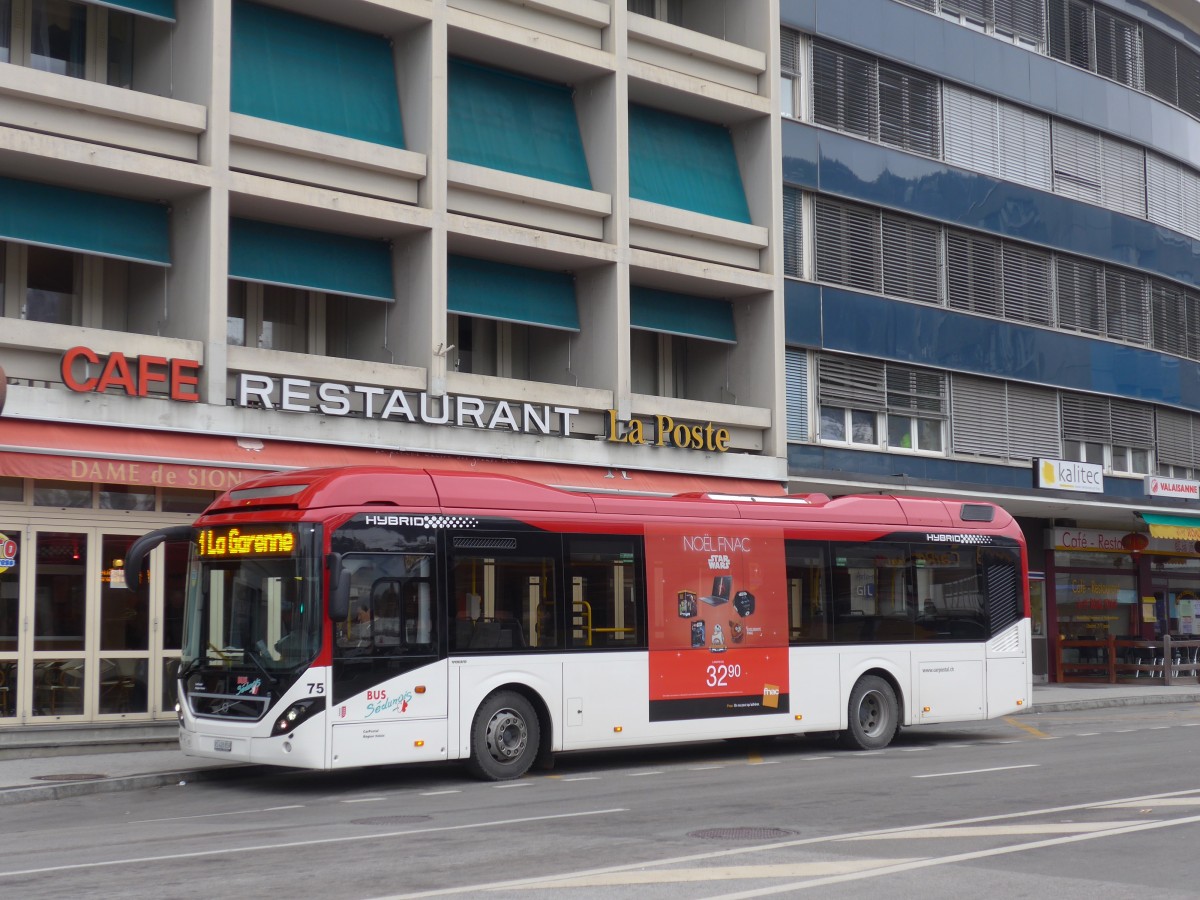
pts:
pixel 718 623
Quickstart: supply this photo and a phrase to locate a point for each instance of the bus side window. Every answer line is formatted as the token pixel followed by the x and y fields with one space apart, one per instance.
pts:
pixel 808 593
pixel 606 606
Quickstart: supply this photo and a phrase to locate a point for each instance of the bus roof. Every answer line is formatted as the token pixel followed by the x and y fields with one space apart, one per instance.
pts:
pixel 418 490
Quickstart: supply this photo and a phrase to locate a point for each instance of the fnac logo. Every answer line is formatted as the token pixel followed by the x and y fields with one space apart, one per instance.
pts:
pixel 8 553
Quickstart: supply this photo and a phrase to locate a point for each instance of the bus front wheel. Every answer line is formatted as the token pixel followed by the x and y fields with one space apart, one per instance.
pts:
pixel 874 715
pixel 505 736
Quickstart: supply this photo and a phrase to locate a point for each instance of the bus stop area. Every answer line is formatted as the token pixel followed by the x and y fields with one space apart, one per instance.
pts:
pixel 88 761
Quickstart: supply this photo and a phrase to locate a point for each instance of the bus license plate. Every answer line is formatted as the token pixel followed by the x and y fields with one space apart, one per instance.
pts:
pixel 219 744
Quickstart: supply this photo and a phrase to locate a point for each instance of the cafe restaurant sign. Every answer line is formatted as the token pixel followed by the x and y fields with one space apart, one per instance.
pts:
pixel 1068 475
pixel 332 398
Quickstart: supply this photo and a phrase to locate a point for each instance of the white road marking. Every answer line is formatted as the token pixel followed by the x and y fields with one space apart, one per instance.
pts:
pixel 1142 804
pixel 703 768
pixel 964 831
pixel 439 793
pixel 584 778
pixel 764 762
pixel 523 883
pixel 315 842
pixel 977 771
pixel 239 812
pixel 1189 724
pixel 513 784
pixel 723 873
pixel 1088 734
pixel 363 800
pixel 640 774
pixel 813 758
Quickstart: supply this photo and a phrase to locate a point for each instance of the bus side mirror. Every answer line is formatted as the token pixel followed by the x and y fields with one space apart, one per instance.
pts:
pixel 135 556
pixel 339 588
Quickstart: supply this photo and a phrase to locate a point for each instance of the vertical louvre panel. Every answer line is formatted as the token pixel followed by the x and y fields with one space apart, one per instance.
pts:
pixel 978 417
pixel 844 91
pixel 1132 424
pixel 1161 77
pixel 1079 297
pixel 1173 437
pixel 1021 18
pixel 916 391
pixel 1026 285
pixel 848 245
pixel 796 375
pixel 911 259
pixel 927 5
pixel 909 113
pixel 1025 146
pixel 1191 309
pixel 857 383
pixel 1187 64
pixel 1190 204
pixel 1005 602
pixel 1071 32
pixel 1033 422
pixel 1076 162
pixel 1118 49
pixel 1168 321
pixel 1085 418
pixel 976 9
pixel 789 51
pixel 1164 191
pixel 1127 306
pixel 973 273
pixel 793 233
pixel 1123 177
pixel 972 139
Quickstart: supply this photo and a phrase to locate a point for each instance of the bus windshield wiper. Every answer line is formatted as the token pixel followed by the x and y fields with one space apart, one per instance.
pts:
pixel 253 656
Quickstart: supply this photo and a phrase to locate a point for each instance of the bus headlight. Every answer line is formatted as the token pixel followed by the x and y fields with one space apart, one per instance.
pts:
pixel 296 713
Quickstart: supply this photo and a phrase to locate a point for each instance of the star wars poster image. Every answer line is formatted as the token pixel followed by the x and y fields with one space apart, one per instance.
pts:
pixel 718 623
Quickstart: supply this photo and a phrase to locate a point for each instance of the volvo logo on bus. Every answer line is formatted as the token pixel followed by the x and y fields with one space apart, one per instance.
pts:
pixel 423 521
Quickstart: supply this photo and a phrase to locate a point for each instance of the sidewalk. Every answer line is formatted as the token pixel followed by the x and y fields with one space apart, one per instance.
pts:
pixel 54 777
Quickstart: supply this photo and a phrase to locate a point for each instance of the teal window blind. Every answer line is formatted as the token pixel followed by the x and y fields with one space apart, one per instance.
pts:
pixel 313 74
pixel 670 313
pixel 515 124
pixel 492 290
pixel 154 9
pixel 685 163
pixel 33 213
pixel 311 260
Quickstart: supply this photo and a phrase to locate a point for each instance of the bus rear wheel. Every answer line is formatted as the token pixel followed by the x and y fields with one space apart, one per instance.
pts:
pixel 505 736
pixel 874 715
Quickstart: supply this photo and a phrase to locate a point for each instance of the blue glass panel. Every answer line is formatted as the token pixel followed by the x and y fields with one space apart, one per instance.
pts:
pixel 684 163
pixel 939 338
pixel 312 260
pixel 492 290
pixel 669 313
pixel 859 170
pixel 802 313
pixel 33 213
pixel 314 74
pixel 515 124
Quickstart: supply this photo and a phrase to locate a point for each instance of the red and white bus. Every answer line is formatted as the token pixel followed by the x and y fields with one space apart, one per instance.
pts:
pixel 364 616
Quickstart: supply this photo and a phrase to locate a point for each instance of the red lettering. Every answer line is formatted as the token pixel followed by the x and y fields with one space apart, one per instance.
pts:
pixel 147 375
pixel 116 372
pixel 68 366
pixel 185 373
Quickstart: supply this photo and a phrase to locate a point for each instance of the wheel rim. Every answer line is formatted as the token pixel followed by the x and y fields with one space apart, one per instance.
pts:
pixel 506 736
pixel 872 714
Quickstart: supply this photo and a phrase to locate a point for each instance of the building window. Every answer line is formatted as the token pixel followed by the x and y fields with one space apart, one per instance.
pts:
pixel 1095 39
pixel 664 10
pixel 509 350
pixel 871 403
pixel 274 318
pixel 75 39
pixel 789 77
pixel 52 286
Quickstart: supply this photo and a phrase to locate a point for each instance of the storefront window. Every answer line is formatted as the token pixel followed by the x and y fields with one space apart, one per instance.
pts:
pixel 1096 595
pixel 67 494
pixel 123 496
pixel 12 490
pixel 60 591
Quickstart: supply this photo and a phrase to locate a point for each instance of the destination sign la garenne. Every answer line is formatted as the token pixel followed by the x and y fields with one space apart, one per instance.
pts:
pixel 132 376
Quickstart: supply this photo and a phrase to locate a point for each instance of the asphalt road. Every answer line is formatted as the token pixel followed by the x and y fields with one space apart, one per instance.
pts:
pixel 1064 805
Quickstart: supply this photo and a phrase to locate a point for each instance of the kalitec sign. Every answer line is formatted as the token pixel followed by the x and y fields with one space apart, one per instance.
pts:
pixel 1068 475
pixel 332 398
pixel 1172 487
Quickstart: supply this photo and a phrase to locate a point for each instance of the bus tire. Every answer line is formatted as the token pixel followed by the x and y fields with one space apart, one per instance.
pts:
pixel 505 736
pixel 874 715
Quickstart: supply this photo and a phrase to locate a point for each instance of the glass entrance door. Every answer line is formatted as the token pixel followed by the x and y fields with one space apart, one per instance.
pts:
pixel 11 557
pixel 57 603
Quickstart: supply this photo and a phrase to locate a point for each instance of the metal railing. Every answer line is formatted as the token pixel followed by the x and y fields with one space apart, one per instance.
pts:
pixel 1114 659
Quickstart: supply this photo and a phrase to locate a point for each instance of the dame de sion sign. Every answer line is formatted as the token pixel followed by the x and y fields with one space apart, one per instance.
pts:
pixel 177 379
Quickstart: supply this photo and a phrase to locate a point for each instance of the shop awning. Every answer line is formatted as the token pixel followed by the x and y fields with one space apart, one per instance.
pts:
pixel 507 293
pixel 1180 528
pixel 93 453
pixel 670 313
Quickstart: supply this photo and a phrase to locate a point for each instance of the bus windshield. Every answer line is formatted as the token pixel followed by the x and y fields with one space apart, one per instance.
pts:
pixel 254 600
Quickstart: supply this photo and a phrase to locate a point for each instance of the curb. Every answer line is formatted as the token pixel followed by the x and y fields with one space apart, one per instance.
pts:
pixel 1102 702
pixel 10 796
